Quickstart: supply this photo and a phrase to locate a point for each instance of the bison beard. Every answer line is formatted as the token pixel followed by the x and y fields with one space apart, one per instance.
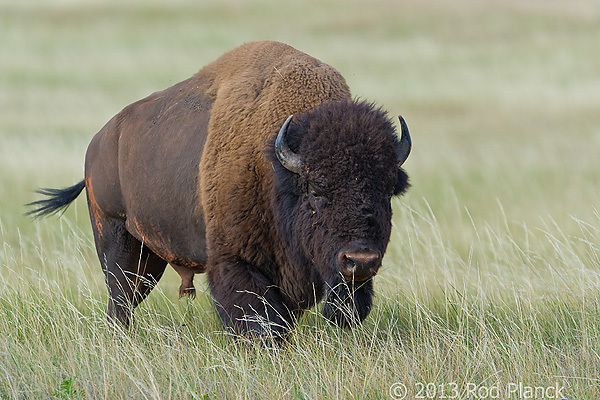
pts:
pixel 348 303
pixel 206 176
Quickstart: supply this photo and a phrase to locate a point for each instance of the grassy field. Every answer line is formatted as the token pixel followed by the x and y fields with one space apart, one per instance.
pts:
pixel 491 283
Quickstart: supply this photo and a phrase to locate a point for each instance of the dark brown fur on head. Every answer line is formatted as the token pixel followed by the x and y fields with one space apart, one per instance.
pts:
pixel 342 196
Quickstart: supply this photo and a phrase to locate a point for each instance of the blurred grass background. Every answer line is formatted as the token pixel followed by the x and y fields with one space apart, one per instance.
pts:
pixel 502 99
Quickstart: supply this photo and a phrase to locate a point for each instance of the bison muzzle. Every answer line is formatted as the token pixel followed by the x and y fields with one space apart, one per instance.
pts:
pixel 260 170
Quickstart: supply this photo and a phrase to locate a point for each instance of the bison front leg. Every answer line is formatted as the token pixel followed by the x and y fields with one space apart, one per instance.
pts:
pixel 249 302
pixel 131 270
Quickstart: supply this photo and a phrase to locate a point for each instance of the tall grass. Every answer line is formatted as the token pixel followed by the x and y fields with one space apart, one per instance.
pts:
pixel 506 315
pixel 492 276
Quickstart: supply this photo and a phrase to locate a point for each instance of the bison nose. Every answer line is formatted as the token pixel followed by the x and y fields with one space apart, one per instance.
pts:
pixel 359 266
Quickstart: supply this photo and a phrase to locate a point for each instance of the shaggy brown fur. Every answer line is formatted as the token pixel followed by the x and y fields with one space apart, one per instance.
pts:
pixel 256 87
pixel 188 176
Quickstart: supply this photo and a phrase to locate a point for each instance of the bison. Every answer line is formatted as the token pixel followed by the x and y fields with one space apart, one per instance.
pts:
pixel 260 170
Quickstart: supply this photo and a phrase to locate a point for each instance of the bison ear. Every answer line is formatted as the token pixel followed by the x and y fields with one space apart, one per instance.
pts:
pixel 405 142
pixel 402 183
pixel 290 160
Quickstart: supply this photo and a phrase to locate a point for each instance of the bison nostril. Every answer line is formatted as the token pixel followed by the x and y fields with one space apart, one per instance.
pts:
pixel 362 259
pixel 349 265
pixel 360 264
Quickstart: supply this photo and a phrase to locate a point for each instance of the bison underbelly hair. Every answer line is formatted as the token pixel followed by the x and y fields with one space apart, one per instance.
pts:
pixel 259 170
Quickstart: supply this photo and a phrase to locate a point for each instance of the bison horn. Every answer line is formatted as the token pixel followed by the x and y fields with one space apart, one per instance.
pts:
pixel 290 160
pixel 405 143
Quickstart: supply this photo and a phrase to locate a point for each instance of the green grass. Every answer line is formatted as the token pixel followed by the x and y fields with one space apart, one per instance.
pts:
pixel 492 276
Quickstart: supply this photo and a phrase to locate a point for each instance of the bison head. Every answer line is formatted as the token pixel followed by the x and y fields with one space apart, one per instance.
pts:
pixel 337 168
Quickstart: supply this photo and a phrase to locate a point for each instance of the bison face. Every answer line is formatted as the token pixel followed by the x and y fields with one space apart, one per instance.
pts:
pixel 342 167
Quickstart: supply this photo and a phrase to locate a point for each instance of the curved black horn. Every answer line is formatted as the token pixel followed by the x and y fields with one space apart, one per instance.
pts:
pixel 405 142
pixel 290 160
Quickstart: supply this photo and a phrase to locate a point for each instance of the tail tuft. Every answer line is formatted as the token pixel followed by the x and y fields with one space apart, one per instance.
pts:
pixel 58 200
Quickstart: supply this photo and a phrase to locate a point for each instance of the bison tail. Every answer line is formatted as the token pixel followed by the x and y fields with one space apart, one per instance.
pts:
pixel 57 200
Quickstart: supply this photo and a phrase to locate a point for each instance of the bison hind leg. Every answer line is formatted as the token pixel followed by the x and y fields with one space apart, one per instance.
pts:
pixel 131 269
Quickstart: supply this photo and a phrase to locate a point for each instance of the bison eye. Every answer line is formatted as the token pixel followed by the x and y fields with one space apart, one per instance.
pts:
pixel 316 200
